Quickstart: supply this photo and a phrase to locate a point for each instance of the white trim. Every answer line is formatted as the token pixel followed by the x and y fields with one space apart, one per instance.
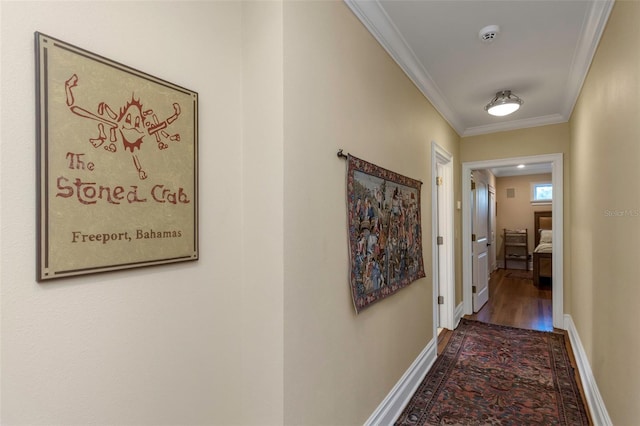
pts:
pixel 391 407
pixel 439 156
pixel 535 201
pixel 557 258
pixel 558 242
pixel 458 315
pixel 599 413
pixel 592 29
pixel 492 228
pixel 515 124
pixel 377 21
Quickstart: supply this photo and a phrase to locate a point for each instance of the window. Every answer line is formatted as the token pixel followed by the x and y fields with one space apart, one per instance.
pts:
pixel 541 193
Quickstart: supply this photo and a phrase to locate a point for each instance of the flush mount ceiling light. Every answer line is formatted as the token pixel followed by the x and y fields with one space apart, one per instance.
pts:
pixel 503 104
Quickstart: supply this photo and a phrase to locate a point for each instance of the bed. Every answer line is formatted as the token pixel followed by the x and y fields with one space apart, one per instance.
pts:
pixel 543 252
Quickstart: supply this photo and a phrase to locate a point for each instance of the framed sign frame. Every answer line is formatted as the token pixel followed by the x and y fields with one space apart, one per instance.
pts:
pixel 117 165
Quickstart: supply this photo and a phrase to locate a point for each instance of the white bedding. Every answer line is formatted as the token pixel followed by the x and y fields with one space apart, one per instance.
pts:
pixel 544 248
pixel 546 236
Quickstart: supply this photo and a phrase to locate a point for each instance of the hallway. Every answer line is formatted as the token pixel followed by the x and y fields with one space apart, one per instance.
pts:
pixel 516 302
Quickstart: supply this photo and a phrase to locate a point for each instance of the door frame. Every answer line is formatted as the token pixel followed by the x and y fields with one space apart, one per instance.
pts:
pixel 557 208
pixel 443 284
pixel 492 228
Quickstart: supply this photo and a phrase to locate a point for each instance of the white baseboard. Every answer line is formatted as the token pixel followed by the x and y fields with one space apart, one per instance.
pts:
pixel 457 315
pixel 599 413
pixel 391 407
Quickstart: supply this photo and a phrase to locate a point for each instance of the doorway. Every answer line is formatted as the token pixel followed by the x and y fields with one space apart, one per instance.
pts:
pixel 442 221
pixel 556 161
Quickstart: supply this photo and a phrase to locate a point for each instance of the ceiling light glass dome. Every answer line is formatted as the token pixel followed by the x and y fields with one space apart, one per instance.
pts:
pixel 504 103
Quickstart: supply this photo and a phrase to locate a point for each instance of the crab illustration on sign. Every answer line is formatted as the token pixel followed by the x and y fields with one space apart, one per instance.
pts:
pixel 129 126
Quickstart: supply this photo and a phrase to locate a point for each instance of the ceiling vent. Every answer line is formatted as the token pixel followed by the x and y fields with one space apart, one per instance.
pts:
pixel 489 34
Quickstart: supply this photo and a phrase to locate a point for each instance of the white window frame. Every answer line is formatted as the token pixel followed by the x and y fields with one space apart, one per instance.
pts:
pixel 536 202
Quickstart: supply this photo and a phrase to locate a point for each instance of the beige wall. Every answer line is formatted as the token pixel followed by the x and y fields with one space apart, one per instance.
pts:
pixel 528 142
pixel 196 343
pixel 261 330
pixel 605 177
pixel 516 143
pixel 343 91
pixel 262 265
pixel 517 212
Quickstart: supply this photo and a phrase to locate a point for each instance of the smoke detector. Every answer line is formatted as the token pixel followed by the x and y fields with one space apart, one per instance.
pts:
pixel 489 33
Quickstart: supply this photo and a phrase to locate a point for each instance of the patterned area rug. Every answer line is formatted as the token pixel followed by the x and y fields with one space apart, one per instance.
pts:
pixel 496 375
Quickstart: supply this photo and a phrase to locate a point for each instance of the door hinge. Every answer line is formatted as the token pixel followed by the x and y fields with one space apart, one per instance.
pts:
pixel 440 241
pixel 473 237
pixel 438 181
pixel 473 185
pixel 440 300
pixel 473 289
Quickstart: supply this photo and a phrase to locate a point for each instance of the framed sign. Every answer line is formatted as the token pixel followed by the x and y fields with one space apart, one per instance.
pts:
pixel 117 163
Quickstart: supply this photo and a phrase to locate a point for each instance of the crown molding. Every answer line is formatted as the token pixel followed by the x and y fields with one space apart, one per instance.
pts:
pixel 592 29
pixel 515 125
pixel 378 23
pixel 376 20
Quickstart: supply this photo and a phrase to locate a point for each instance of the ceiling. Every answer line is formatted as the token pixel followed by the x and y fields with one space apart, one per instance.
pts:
pixel 542 54
pixel 516 170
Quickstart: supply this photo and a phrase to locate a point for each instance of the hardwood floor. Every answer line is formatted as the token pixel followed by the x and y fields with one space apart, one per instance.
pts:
pixel 515 301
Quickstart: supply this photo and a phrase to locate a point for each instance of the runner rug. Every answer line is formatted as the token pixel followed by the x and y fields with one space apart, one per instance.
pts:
pixel 496 375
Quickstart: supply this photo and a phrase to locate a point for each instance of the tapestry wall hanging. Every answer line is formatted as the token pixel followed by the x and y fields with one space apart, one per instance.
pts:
pixel 117 165
pixel 385 232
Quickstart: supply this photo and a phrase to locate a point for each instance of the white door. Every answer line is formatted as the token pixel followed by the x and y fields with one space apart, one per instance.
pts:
pixel 440 244
pixel 479 246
